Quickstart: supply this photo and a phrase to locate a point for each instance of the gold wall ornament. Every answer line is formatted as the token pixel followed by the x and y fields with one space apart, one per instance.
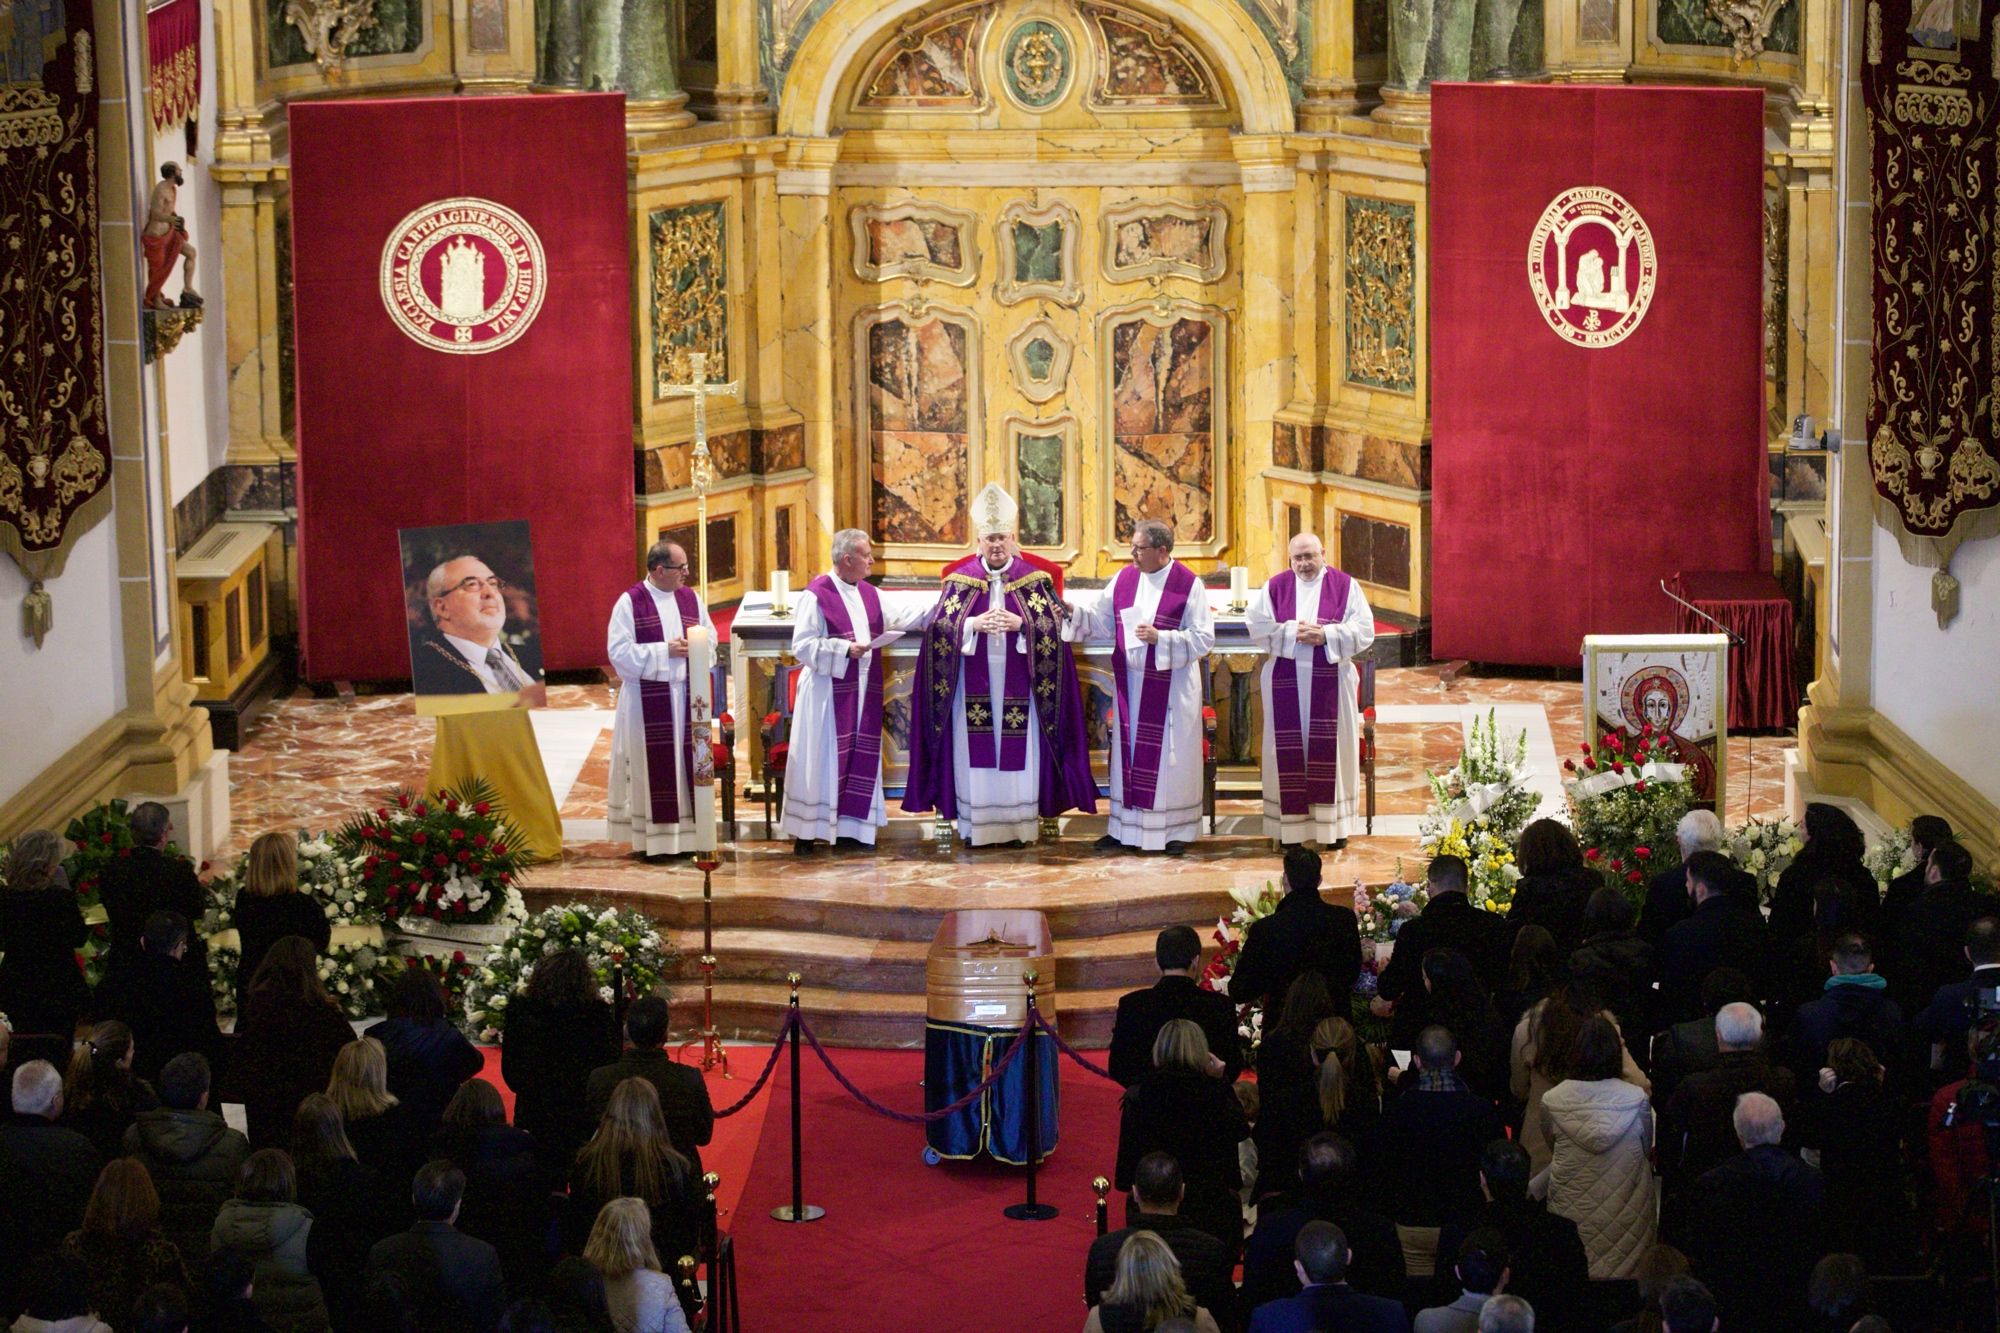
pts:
pixel 1592 266
pixel 329 27
pixel 1380 321
pixel 690 296
pixel 38 613
pixel 1748 23
pixel 164 329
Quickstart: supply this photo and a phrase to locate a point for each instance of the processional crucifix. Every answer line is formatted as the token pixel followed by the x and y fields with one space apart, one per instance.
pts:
pixel 701 676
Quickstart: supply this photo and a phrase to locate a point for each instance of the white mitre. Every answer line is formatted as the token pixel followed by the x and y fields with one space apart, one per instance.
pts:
pixel 993 510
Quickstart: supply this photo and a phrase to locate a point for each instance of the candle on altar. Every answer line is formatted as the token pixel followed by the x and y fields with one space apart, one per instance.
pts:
pixel 1239 585
pixel 781 590
pixel 701 711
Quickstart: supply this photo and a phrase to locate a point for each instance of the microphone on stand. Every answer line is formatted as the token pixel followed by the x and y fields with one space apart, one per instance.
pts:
pixel 1735 641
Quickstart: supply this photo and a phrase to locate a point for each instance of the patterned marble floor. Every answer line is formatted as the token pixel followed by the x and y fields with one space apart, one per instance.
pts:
pixel 310 761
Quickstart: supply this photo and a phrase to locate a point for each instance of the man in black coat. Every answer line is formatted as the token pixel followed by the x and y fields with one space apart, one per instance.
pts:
pixel 1929 932
pixel 1757 1225
pixel 684 1102
pixel 1306 932
pixel 1927 834
pixel 1206 1262
pixel 1687 1048
pixel 1722 931
pixel 1326 1194
pixel 1947 1018
pixel 1855 1003
pixel 1547 1266
pixel 1327 1301
pixel 164 996
pixel 1177 994
pixel 147 880
pixel 1667 903
pixel 192 1156
pixel 1696 1130
pixel 1425 1151
pixel 1448 921
pixel 47 1172
pixel 452 1280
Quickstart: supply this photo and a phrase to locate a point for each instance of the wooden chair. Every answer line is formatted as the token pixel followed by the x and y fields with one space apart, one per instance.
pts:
pixel 776 751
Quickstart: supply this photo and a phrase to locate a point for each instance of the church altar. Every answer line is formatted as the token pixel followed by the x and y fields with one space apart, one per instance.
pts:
pixel 760 660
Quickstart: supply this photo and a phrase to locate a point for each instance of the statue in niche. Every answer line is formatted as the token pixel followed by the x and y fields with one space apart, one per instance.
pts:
pixel 164 240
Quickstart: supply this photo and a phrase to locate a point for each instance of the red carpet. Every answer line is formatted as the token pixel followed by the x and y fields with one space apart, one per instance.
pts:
pixel 904 1246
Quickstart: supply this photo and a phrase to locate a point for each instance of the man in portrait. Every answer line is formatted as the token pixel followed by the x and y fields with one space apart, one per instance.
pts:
pixel 464 650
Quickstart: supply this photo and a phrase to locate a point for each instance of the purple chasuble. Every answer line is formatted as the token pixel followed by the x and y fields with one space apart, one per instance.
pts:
pixel 1142 739
pixel 1308 765
pixel 978 680
pixel 857 708
pixel 656 705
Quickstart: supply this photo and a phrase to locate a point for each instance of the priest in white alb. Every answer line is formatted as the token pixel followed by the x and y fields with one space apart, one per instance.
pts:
pixel 1311 620
pixel 651 804
pixel 1155 612
pixel 996 721
pixel 833 782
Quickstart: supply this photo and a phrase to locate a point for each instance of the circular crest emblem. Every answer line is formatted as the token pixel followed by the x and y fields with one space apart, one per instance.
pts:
pixel 1036 61
pixel 1655 694
pixel 1592 266
pixel 463 275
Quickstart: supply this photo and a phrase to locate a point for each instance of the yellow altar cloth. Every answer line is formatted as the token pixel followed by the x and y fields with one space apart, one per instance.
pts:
pixel 500 747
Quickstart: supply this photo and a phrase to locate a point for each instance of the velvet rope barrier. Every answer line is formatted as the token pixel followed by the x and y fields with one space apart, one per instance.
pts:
pixel 917 1117
pixel 1042 1021
pixel 777 1049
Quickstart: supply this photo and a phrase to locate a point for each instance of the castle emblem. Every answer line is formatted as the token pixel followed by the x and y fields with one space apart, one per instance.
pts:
pixel 1592 266
pixel 463 275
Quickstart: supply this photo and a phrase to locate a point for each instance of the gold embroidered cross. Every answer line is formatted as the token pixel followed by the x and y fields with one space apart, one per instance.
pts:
pixel 1016 718
pixel 979 715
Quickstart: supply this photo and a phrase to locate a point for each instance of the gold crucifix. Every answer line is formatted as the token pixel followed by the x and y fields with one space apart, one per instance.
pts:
pixel 701 467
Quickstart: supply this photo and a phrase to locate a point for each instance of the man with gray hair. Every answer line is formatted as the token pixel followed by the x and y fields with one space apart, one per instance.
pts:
pixel 149 880
pixel 464 650
pixel 1156 614
pixel 1757 1225
pixel 1667 902
pixel 833 782
pixel 1698 1131
pixel 1506 1314
pixel 47 1170
pixel 651 794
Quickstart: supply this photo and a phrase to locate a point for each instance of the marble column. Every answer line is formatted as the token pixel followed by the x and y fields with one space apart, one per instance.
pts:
pixel 741 99
pixel 1263 333
pixel 805 256
pixel 1331 90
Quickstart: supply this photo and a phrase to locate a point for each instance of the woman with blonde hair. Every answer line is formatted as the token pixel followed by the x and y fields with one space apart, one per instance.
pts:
pixel 42 990
pixel 121 1244
pixel 1343 1096
pixel 287 1039
pixel 633 1156
pixel 641 1297
pixel 377 1124
pixel 1180 1108
pixel 101 1097
pixel 269 907
pixel 351 1209
pixel 1147 1291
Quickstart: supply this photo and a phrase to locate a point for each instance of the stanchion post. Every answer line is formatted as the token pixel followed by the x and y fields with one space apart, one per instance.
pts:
pixel 798 1210
pixel 711 1183
pixel 1102 1187
pixel 1031 1211
pixel 685 1268
pixel 710 1041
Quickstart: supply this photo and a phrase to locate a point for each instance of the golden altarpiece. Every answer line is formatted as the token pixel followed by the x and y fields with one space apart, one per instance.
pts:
pixel 1123 256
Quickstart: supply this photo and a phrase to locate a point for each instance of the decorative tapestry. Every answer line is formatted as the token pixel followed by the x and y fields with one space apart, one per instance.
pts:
pixel 173 48
pixel 55 456
pixel 1929 86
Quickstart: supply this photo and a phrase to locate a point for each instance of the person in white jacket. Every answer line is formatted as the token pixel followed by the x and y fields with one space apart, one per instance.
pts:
pixel 1600 1133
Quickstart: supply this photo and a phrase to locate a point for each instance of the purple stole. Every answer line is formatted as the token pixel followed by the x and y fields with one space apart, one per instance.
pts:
pixel 1308 765
pixel 1141 744
pixel 978 680
pixel 656 704
pixel 857 720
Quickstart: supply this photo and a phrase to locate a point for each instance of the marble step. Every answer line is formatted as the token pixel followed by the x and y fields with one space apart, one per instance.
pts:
pixel 847 962
pixel 753 1011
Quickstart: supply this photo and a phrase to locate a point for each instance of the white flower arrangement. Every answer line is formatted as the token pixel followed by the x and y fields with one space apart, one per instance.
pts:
pixel 1894 854
pixel 348 968
pixel 610 938
pixel 1478 807
pixel 1763 848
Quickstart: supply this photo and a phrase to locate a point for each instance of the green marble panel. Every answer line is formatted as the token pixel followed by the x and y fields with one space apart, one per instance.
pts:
pixel 1041 490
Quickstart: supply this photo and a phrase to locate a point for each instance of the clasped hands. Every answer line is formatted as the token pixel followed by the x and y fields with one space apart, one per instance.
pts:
pixel 997 621
pixel 1310 634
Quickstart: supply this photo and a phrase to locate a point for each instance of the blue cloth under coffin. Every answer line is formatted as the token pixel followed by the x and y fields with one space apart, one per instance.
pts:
pixel 958 1057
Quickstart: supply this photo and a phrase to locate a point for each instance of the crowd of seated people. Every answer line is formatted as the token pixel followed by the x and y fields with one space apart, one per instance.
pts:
pixel 379 1185
pixel 1708 1112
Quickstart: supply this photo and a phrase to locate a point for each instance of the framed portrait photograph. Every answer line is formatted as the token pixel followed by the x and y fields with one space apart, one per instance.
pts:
pixel 1679 683
pixel 475 626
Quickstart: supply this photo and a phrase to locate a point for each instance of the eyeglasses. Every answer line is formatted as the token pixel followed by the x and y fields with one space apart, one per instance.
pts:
pixel 473 583
pixel 682 566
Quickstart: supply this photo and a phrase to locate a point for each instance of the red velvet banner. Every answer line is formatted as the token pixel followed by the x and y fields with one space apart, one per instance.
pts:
pixel 1597 373
pixel 464 336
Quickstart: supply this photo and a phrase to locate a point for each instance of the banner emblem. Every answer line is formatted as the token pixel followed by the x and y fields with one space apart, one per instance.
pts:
pixel 463 275
pixel 1592 266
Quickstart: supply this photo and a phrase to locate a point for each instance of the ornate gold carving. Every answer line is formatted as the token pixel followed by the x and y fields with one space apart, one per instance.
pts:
pixel 1381 284
pixel 690 291
pixel 329 27
pixel 1748 23
pixel 164 330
